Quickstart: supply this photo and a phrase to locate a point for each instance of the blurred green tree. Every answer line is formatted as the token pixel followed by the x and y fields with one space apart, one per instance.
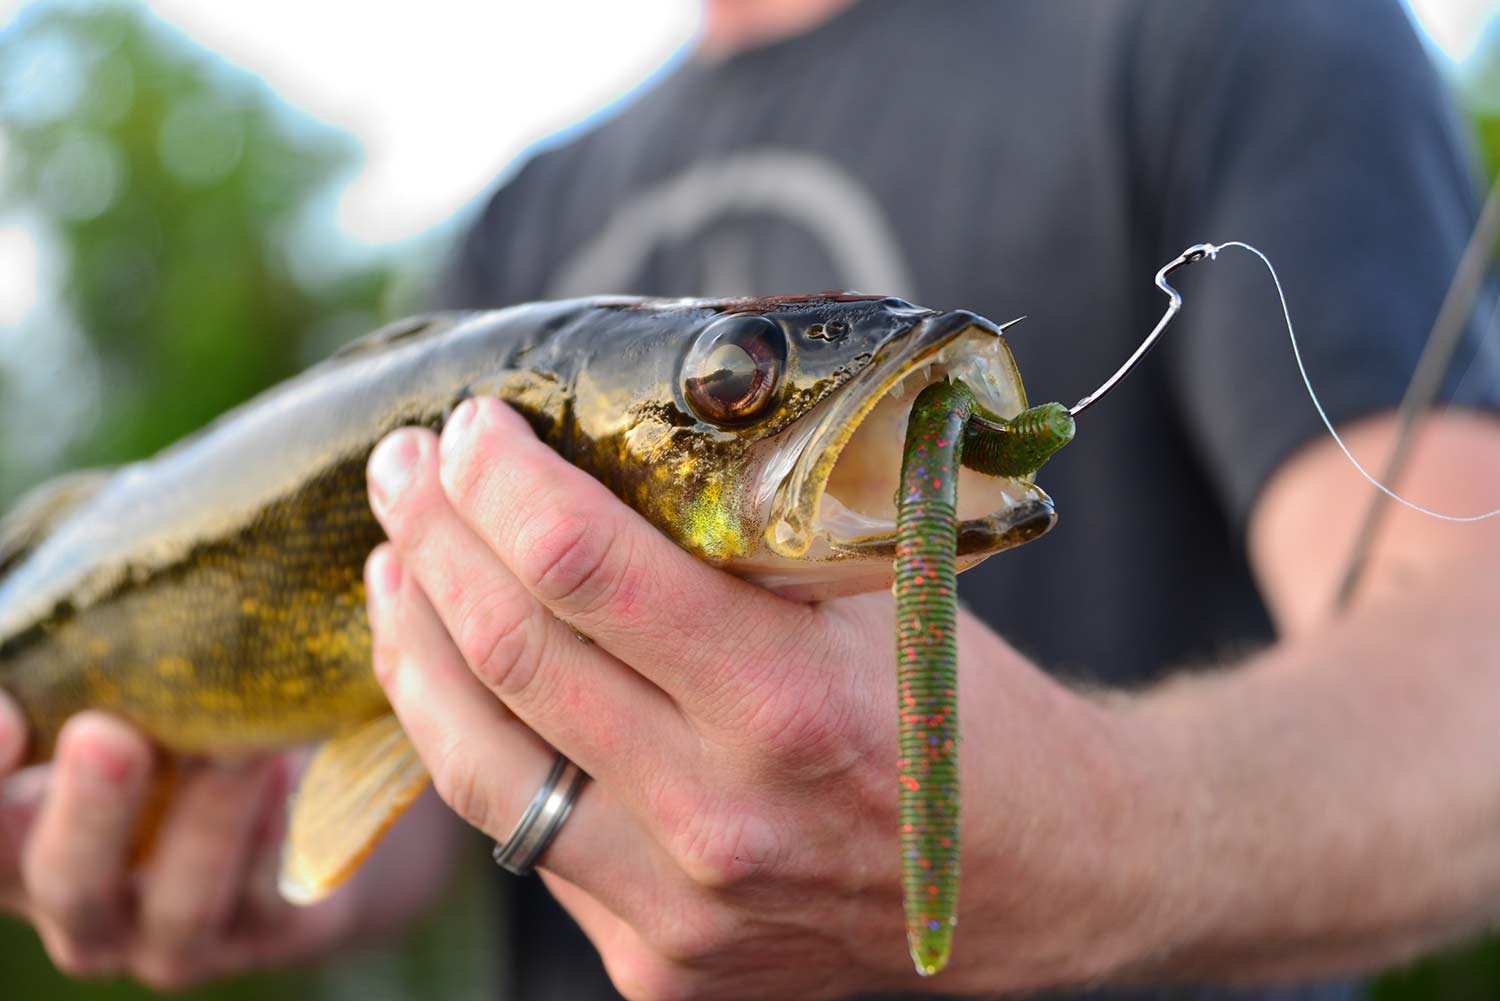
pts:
pixel 1479 85
pixel 178 194
pixel 190 262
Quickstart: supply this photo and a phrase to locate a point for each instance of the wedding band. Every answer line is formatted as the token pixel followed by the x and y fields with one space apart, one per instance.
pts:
pixel 542 820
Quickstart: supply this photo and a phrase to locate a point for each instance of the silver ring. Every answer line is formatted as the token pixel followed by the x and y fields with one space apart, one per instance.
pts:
pixel 542 820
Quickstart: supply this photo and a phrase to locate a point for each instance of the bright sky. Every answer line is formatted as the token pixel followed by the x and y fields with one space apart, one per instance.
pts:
pixel 1455 25
pixel 442 94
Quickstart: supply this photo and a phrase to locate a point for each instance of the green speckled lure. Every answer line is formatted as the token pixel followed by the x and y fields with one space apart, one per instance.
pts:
pixel 941 433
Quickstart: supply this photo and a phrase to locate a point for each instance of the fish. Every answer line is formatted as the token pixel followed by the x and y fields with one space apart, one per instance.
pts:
pixel 212 595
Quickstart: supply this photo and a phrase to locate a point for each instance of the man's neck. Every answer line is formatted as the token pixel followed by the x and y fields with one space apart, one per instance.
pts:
pixel 730 26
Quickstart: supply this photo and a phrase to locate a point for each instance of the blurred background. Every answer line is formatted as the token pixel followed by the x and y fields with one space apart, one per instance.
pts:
pixel 198 199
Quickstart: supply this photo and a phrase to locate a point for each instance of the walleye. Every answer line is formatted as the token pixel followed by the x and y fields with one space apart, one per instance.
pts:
pixel 212 595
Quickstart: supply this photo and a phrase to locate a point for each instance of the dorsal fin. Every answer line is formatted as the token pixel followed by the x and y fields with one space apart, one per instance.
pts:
pixel 42 508
pixel 408 329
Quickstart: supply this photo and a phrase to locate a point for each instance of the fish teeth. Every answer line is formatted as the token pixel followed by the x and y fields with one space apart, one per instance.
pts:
pixel 898 391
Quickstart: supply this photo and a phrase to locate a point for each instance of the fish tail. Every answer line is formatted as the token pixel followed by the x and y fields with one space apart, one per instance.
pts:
pixel 41 509
pixel 26 675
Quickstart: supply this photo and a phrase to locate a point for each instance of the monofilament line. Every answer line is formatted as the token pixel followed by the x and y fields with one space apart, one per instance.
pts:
pixel 1312 394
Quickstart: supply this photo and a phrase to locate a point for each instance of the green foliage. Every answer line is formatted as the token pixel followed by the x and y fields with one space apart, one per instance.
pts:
pixel 1470 974
pixel 178 192
pixel 451 955
pixel 1479 85
pixel 181 202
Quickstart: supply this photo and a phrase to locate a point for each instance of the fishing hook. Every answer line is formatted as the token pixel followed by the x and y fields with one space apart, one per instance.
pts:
pixel 1192 255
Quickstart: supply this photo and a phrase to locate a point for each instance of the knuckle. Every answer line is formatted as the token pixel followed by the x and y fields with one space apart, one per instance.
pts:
pixel 566 561
pixel 456 779
pixel 74 958
pixel 164 973
pixel 385 660
pixel 694 935
pixel 801 721
pixel 643 976
pixel 719 848
pixel 493 636
pixel 677 807
pixel 174 932
pixel 70 907
pixel 69 959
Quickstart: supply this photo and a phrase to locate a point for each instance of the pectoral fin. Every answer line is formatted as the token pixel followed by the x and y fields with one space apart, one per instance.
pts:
pixel 356 786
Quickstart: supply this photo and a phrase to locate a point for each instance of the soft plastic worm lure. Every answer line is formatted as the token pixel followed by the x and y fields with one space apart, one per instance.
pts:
pixel 944 430
pixel 948 428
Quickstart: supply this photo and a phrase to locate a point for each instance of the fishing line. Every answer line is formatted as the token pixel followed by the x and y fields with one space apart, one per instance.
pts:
pixel 1209 250
pixel 1443 341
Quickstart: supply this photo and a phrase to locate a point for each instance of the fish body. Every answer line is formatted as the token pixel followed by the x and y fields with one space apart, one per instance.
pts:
pixel 212 594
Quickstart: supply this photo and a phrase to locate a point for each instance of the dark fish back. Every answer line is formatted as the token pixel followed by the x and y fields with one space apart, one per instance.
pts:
pixel 212 595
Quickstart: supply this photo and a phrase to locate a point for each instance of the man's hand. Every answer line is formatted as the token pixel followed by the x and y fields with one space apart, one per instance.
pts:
pixel 203 904
pixel 739 835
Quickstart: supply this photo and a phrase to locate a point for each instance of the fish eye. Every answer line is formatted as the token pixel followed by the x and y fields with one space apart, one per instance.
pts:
pixel 731 374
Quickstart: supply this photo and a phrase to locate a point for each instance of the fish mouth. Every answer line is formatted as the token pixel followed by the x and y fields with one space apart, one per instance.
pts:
pixel 838 499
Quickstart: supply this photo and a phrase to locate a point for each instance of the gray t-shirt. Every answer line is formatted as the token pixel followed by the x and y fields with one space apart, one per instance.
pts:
pixel 1045 157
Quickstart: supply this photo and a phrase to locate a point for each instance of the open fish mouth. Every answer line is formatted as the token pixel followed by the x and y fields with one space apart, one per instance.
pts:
pixel 838 499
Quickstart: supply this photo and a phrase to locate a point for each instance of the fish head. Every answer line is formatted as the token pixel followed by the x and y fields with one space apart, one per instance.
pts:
pixel 768 437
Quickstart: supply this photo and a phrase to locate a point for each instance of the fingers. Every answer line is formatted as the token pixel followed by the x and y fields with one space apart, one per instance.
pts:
pixel 194 881
pixel 74 864
pixel 12 735
pixel 216 864
pixel 610 935
pixel 67 834
pixel 19 797
pixel 485 763
pixel 20 800
pixel 701 635
pixel 606 717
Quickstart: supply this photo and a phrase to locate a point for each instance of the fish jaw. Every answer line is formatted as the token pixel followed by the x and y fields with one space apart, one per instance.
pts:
pixel 827 485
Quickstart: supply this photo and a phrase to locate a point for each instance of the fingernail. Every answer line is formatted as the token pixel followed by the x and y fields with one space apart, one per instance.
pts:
pixel 12 734
pixel 461 419
pixel 506 420
pixel 392 463
pixel 100 761
pixel 383 573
